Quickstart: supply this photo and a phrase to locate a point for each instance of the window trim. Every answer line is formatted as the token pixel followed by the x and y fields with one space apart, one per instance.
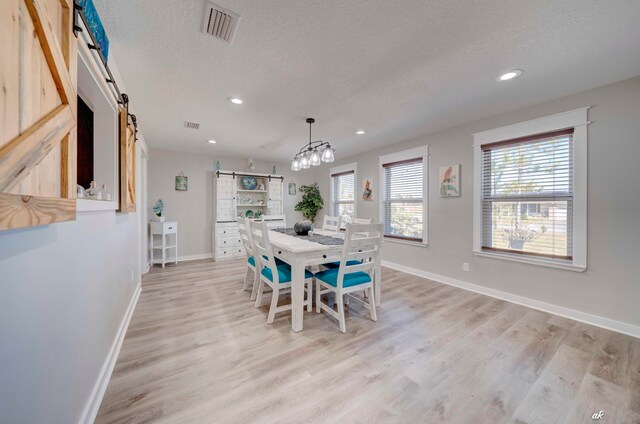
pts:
pixel 107 149
pixel 576 119
pixel 343 170
pixel 399 157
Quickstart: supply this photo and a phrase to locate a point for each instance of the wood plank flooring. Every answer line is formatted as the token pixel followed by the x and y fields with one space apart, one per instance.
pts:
pixel 197 351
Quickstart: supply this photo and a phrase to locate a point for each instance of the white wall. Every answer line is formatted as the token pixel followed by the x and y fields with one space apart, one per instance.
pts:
pixel 610 287
pixel 193 209
pixel 64 292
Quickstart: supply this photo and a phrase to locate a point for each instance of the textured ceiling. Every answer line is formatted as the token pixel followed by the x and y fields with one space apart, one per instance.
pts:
pixel 397 69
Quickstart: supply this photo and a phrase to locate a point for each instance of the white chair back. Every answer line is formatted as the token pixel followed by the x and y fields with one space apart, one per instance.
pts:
pixel 245 235
pixel 331 223
pixel 275 221
pixel 362 243
pixel 262 250
pixel 362 221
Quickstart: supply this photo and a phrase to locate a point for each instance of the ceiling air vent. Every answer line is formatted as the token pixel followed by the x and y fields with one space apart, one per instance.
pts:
pixel 192 125
pixel 220 22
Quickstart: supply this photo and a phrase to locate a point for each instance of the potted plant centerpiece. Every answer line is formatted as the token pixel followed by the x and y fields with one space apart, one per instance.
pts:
pixel 310 204
pixel 158 209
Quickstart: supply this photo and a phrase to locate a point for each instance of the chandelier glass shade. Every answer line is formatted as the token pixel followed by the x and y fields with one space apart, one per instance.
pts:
pixel 313 153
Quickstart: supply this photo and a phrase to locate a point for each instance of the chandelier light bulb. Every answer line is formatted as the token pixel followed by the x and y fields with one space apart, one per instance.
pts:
pixel 327 155
pixel 315 158
pixel 305 162
pixel 295 165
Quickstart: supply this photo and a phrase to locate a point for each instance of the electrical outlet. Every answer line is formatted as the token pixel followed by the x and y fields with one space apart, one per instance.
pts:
pixel 465 266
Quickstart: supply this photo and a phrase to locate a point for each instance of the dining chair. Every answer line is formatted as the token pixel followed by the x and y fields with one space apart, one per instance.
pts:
pixel 245 236
pixel 275 221
pixel 277 276
pixel 336 264
pixel 331 223
pixel 362 252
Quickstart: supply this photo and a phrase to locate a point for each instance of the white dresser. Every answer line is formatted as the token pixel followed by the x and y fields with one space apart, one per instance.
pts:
pixel 163 242
pixel 233 199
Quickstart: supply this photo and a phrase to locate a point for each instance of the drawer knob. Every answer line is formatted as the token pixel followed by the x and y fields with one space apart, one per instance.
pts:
pixel 324 256
pixel 171 228
pixel 279 252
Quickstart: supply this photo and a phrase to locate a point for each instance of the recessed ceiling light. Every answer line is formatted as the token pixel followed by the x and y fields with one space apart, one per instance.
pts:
pixel 510 75
pixel 235 100
pixel 212 141
pixel 360 132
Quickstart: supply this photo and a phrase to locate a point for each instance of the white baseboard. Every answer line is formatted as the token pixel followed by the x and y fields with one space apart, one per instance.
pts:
pixel 93 404
pixel 598 321
pixel 195 257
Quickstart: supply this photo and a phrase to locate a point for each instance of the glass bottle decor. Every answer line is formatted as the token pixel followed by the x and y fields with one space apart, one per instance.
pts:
pixel 106 195
pixel 217 165
pixel 92 192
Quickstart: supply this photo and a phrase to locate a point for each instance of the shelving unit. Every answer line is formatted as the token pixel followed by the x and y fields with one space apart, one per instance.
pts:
pixel 232 200
pixel 163 242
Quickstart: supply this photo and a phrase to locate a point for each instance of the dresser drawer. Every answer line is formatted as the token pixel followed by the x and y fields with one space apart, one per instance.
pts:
pixel 229 241
pixel 229 252
pixel 227 231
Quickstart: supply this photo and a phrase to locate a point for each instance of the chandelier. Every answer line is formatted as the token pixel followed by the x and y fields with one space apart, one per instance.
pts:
pixel 313 153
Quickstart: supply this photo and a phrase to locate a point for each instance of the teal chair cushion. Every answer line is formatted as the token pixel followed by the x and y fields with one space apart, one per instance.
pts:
pixel 284 273
pixel 252 261
pixel 330 276
pixel 332 265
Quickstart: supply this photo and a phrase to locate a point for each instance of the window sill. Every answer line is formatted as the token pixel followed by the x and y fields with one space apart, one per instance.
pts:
pixel 88 205
pixel 549 263
pixel 407 242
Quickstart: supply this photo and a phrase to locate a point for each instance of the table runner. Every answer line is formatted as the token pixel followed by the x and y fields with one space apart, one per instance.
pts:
pixel 317 238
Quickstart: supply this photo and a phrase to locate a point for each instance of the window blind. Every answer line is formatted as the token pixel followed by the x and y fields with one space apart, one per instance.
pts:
pixel 403 189
pixel 527 196
pixel 343 196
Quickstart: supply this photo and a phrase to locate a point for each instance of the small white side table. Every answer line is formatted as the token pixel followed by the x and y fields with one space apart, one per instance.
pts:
pixel 163 242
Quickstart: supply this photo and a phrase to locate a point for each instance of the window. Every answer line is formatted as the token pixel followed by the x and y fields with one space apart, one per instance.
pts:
pixel 527 195
pixel 343 196
pixel 530 199
pixel 403 206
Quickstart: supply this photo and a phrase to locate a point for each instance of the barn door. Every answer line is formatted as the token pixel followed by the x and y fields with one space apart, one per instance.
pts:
pixel 127 163
pixel 38 62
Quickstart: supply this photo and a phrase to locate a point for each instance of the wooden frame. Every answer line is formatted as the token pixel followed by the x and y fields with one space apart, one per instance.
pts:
pixel 127 164
pixel 50 137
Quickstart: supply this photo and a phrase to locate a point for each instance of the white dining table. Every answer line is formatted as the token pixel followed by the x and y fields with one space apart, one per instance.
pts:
pixel 301 253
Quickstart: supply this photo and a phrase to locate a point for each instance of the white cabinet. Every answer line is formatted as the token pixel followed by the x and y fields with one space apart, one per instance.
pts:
pixel 234 198
pixel 163 242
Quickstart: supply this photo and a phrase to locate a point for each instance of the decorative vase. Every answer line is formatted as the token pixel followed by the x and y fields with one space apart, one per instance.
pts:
pixel 92 192
pixel 302 228
pixel 273 171
pixel 157 218
pixel 217 165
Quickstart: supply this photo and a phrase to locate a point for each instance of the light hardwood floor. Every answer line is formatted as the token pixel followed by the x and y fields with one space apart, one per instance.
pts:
pixel 197 351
